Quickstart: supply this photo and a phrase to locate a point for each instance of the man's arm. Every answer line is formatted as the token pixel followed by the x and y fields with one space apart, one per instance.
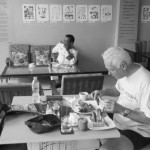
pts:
pixel 56 48
pixel 75 57
pixel 137 116
pixel 111 92
pixel 106 92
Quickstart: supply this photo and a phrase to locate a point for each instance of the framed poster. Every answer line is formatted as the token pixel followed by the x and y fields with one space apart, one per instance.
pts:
pixel 94 13
pixel 68 13
pixel 42 13
pixel 145 13
pixel 81 13
pixel 55 13
pixel 28 12
pixel 106 13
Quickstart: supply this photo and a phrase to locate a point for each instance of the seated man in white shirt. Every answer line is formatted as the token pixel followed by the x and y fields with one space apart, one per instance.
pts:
pixel 67 54
pixel 131 112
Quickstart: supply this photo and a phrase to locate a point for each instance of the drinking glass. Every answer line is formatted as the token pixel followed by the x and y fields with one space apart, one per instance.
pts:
pixel 66 125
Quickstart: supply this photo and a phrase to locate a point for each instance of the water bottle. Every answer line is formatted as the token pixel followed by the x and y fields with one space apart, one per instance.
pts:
pixel 35 91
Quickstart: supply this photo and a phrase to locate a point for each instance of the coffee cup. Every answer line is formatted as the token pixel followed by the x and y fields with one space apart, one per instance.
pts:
pixel 73 118
pixel 83 95
pixel 82 124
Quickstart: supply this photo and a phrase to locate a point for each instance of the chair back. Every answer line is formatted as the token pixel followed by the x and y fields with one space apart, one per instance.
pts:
pixel 73 84
pixel 9 90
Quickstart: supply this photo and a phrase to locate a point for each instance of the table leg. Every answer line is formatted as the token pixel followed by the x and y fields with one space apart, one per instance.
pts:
pixel 33 146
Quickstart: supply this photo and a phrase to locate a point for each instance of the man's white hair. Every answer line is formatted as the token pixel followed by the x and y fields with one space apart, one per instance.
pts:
pixel 115 56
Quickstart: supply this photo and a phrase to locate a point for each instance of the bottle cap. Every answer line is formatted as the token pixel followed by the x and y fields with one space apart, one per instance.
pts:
pixel 35 78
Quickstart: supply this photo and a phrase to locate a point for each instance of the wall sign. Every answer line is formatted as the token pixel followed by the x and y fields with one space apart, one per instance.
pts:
pixel 128 21
pixel 145 13
pixel 28 12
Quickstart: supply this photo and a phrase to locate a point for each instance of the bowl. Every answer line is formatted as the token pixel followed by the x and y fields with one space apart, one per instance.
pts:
pixel 43 123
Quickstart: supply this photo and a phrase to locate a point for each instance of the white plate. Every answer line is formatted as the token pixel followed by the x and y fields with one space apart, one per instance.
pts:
pixel 109 121
pixel 76 107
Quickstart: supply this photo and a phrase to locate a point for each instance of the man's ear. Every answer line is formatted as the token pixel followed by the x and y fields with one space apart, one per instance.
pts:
pixel 123 65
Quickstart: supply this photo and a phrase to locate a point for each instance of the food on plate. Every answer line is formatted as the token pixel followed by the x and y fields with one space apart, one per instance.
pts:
pixel 85 107
pixel 97 119
pixel 99 124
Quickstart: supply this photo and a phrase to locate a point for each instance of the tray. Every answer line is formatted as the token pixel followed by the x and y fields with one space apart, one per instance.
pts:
pixel 29 108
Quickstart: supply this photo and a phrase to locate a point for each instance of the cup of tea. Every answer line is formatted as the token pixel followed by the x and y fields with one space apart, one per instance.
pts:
pixel 83 95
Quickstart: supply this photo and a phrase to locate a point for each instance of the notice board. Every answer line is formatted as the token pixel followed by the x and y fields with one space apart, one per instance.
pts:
pixel 127 24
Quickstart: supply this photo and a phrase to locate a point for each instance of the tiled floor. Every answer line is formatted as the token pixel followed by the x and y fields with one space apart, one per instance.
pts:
pixel 108 82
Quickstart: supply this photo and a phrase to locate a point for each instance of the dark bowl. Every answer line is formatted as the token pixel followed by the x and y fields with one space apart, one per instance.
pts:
pixel 43 123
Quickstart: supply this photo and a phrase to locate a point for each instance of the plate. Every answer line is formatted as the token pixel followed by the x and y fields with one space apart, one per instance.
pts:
pixel 76 107
pixel 109 122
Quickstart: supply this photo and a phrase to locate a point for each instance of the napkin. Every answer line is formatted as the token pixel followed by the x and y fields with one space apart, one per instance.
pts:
pixel 70 99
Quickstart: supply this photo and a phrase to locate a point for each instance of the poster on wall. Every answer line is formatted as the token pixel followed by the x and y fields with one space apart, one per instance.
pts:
pixel 68 13
pixel 55 13
pixel 28 12
pixel 42 13
pixel 106 13
pixel 94 13
pixel 81 13
pixel 145 13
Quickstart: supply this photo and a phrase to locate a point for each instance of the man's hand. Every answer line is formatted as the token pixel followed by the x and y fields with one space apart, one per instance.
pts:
pixel 112 106
pixel 70 56
pixel 98 93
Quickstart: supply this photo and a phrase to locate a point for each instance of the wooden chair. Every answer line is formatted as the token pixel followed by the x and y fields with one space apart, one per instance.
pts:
pixel 9 90
pixel 73 84
pixel 135 55
pixel 141 46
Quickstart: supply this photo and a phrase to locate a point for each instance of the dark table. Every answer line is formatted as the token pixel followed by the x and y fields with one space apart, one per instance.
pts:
pixel 23 71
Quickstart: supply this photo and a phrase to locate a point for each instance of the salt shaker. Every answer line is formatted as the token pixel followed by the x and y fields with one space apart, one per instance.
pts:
pixel 49 109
